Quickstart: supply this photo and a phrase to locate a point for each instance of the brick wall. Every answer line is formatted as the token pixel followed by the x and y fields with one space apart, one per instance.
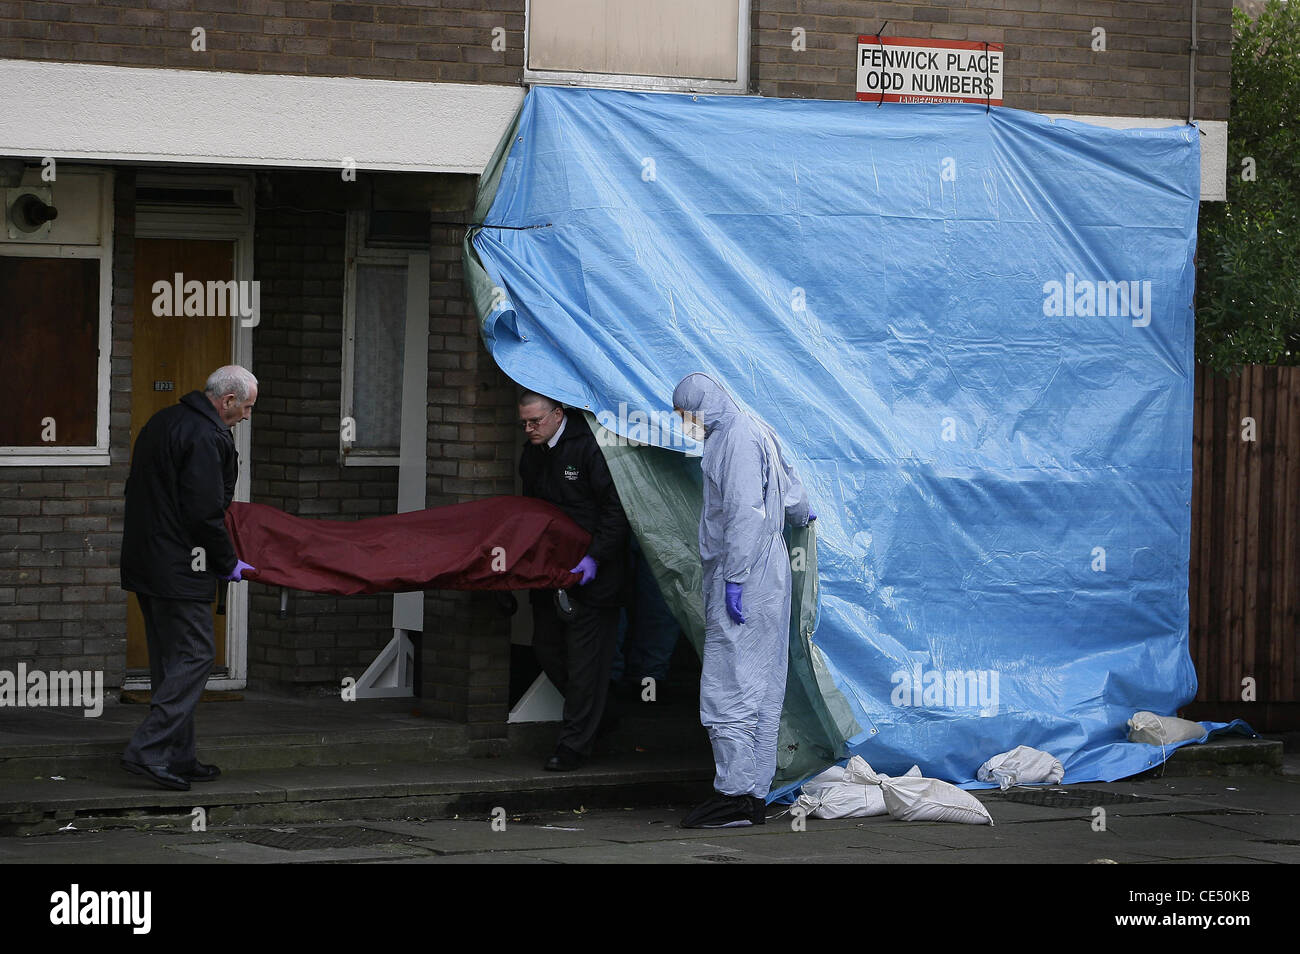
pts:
pixel 448 41
pixel 1050 64
pixel 298 359
pixel 61 606
pixel 472 423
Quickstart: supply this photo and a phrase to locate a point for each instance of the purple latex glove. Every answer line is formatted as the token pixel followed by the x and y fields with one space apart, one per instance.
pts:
pixel 237 575
pixel 733 602
pixel 811 516
pixel 587 568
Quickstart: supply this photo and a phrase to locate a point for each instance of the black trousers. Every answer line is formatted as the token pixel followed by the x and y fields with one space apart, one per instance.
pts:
pixel 577 656
pixel 181 652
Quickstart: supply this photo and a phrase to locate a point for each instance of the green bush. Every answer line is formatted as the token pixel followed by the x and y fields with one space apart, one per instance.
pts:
pixel 1248 256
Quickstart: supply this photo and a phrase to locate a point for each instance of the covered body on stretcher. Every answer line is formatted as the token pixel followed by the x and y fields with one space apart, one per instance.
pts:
pixel 499 543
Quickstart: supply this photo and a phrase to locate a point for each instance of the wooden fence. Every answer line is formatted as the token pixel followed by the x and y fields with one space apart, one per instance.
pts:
pixel 1244 578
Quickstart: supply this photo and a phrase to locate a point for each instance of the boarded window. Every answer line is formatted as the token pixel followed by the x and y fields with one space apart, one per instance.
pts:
pixel 688 39
pixel 49 351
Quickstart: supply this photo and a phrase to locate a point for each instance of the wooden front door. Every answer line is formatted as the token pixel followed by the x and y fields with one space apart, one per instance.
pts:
pixel 171 356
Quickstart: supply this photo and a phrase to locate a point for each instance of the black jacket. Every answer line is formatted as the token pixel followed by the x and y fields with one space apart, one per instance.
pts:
pixel 183 472
pixel 573 475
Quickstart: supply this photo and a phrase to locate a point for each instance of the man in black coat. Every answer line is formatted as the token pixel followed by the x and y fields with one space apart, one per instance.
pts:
pixel 175 550
pixel 563 464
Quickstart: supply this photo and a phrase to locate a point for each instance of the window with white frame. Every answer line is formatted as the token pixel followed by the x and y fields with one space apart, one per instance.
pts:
pixel 668 44
pixel 374 333
pixel 55 315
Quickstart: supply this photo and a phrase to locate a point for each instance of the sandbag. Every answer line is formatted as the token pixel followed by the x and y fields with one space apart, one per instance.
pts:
pixel 1023 765
pixel 914 798
pixel 1162 730
pixel 929 799
pixel 843 793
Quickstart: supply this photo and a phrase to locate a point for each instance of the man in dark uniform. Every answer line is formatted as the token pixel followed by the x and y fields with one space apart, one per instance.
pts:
pixel 175 550
pixel 563 464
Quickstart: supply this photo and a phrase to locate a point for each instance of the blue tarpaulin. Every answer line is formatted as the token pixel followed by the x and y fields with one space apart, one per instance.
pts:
pixel 972 329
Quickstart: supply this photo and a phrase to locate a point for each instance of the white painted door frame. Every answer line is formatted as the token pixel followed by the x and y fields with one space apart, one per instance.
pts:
pixel 198 222
pixel 392 673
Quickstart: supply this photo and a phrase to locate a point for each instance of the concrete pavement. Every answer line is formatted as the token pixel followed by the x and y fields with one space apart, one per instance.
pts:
pixel 1252 819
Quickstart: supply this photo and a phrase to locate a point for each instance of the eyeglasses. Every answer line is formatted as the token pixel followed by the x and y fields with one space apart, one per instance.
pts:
pixel 531 423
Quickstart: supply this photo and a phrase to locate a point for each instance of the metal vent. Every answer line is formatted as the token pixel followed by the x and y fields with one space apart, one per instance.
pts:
pixel 1055 798
pixel 204 198
pixel 346 836
pixel 398 228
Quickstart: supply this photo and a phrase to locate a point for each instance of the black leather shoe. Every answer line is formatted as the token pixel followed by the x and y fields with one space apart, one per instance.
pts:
pixel 161 774
pixel 564 760
pixel 721 811
pixel 759 807
pixel 198 772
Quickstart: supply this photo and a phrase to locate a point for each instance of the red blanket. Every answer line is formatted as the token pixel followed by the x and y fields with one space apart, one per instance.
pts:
pixel 501 543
